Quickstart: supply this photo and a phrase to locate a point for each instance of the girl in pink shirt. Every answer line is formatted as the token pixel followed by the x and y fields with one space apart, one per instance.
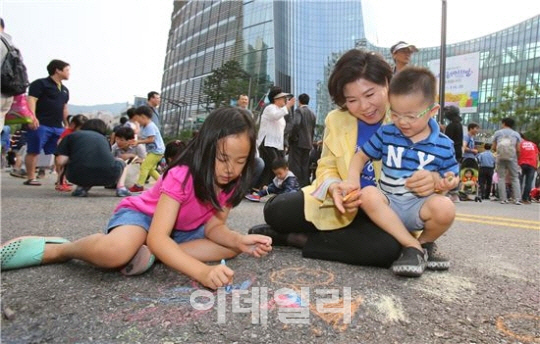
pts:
pixel 190 201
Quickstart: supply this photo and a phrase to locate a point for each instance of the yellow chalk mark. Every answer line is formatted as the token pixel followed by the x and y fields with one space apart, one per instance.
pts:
pixel 501 326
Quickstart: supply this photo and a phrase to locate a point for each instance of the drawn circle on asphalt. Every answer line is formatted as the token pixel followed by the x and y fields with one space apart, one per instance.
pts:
pixel 301 276
pixel 507 323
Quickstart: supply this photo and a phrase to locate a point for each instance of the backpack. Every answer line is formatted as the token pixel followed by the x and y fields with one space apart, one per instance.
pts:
pixel 506 148
pixel 13 72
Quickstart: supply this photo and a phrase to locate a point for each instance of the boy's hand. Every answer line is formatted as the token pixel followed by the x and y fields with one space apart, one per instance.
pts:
pixel 255 244
pixel 346 196
pixel 449 182
pixel 422 182
pixel 217 276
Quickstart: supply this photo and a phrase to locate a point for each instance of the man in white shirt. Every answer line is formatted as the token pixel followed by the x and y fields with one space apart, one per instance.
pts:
pixel 271 132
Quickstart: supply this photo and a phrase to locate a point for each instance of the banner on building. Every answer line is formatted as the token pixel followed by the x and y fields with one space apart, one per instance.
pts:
pixel 461 84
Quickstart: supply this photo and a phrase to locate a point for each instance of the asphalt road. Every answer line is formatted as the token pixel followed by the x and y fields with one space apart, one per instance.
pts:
pixel 491 294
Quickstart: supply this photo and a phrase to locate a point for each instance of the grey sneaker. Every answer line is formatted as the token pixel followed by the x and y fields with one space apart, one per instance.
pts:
pixel 411 262
pixel 123 192
pixel 435 260
pixel 504 202
pixel 518 203
pixel 80 192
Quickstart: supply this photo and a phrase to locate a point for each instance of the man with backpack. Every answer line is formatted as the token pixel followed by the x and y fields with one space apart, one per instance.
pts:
pixel 13 73
pixel 506 145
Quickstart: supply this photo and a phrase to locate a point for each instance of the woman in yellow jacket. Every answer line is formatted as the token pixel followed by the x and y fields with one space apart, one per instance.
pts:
pixel 309 219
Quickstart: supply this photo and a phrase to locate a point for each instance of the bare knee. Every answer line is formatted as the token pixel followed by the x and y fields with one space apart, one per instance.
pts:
pixel 440 210
pixel 371 197
pixel 114 254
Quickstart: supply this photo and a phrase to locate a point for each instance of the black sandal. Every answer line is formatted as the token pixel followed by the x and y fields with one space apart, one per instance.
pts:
pixel 32 182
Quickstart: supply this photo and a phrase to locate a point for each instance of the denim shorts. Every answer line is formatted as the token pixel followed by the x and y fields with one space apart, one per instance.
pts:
pixel 125 216
pixel 408 210
pixel 43 137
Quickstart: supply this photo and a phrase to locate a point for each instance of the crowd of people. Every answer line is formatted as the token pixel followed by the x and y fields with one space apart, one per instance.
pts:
pixel 360 196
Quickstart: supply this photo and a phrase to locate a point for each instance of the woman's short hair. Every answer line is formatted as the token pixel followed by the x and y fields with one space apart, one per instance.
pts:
pixel 357 64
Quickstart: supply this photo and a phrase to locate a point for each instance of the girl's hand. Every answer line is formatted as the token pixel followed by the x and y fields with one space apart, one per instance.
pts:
pixel 422 182
pixel 346 196
pixel 255 245
pixel 449 182
pixel 217 276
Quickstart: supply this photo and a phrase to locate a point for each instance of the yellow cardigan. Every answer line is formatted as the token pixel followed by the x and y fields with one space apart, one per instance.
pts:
pixel 339 144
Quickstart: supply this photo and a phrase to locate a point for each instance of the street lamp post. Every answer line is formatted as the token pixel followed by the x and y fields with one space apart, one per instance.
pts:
pixel 442 73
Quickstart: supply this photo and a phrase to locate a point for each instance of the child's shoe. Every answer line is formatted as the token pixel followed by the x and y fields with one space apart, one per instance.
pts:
pixel 411 262
pixel 122 192
pixel 435 261
pixel 136 188
pixel 62 187
pixel 253 197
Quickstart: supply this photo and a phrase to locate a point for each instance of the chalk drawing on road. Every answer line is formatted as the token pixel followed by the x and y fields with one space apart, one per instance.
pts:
pixel 496 265
pixel 297 277
pixel 446 286
pixel 391 308
pixel 169 304
pixel 513 320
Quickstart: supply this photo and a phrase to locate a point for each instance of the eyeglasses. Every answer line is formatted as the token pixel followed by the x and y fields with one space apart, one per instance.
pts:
pixel 409 119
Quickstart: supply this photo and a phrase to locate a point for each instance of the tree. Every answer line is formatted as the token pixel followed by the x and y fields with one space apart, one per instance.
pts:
pixel 520 102
pixel 226 83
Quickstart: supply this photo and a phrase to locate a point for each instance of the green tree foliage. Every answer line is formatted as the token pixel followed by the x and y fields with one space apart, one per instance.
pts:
pixel 225 83
pixel 518 102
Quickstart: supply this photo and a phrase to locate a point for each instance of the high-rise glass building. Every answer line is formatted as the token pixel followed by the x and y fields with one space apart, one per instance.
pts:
pixel 283 43
pixel 295 44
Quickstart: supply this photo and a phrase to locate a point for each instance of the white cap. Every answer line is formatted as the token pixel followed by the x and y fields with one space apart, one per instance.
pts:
pixel 402 45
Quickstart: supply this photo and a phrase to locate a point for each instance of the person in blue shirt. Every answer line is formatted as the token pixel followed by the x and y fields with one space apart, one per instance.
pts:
pixel 412 142
pixel 486 163
pixel 469 145
pixel 155 147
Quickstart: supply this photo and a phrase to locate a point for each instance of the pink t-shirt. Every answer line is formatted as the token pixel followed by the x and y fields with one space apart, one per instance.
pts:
pixel 193 213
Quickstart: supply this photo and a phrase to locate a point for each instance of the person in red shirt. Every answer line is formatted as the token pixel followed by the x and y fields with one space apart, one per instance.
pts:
pixel 528 161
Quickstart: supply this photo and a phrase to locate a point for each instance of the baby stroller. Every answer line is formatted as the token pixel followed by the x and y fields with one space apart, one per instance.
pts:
pixel 468 177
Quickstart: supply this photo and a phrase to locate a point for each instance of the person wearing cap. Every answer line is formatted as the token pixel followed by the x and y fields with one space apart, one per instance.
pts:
pixel 271 132
pixel 401 53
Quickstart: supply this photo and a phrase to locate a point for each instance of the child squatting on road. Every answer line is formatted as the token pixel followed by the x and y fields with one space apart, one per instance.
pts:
pixel 412 142
pixel 182 218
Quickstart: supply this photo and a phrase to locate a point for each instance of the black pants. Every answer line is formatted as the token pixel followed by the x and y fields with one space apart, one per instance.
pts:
pixel 268 154
pixel 485 177
pixel 360 243
pixel 299 164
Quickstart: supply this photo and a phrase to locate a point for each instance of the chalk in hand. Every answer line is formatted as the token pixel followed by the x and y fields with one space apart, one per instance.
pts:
pixel 228 287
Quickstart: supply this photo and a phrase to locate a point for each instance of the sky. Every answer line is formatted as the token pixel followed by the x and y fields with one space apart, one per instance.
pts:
pixel 116 48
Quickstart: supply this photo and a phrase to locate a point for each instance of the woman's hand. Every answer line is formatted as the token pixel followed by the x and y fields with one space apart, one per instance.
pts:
pixel 217 276
pixel 346 196
pixel 255 245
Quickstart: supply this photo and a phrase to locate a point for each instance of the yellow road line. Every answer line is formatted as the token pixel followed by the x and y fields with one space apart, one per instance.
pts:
pixel 502 221
pixel 498 218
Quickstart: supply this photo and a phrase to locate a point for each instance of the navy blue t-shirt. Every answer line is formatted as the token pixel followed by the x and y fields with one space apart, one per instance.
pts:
pixel 51 101
pixel 365 131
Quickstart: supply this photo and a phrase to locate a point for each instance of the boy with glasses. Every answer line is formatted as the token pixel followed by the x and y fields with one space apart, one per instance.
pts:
pixel 413 142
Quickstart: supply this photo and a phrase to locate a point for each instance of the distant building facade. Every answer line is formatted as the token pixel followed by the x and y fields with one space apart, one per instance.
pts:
pixel 295 44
